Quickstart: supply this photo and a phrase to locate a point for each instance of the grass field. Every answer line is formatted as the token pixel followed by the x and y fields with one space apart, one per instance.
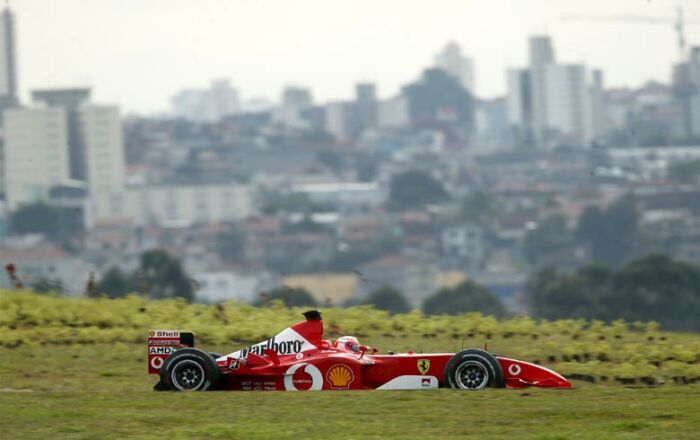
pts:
pixel 101 391
pixel 76 369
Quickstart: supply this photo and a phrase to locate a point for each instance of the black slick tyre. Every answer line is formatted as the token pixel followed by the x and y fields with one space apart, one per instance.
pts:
pixel 190 369
pixel 473 369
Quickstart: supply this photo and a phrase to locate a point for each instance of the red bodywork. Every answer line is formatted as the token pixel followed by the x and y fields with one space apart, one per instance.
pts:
pixel 300 359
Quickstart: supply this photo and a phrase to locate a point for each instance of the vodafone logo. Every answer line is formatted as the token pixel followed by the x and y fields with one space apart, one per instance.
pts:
pixel 514 369
pixel 157 362
pixel 302 377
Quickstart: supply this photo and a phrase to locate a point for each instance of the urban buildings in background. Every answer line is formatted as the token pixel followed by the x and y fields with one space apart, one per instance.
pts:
pixel 451 60
pixel 8 63
pixel 552 104
pixel 686 89
pixel 207 105
pixel 252 194
pixel 61 140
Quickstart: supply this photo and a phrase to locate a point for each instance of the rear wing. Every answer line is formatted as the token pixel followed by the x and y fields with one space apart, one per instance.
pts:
pixel 163 343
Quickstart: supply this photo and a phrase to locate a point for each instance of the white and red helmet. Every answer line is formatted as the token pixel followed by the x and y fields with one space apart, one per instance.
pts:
pixel 347 343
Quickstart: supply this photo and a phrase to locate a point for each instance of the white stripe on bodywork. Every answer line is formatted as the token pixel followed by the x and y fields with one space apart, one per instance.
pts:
pixel 411 382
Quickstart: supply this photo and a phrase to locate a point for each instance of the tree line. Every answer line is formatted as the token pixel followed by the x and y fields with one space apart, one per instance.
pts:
pixel 651 288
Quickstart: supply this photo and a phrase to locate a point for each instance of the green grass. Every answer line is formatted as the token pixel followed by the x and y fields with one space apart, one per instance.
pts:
pixel 102 391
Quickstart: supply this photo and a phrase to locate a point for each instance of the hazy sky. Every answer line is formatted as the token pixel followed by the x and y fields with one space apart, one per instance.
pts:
pixel 138 53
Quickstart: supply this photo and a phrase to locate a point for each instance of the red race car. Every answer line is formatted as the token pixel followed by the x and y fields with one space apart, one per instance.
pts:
pixel 299 359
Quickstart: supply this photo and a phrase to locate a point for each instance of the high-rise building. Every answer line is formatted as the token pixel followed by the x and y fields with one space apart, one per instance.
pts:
pixel 451 60
pixel 36 153
pixel 207 105
pixel 300 97
pixel 70 100
pixel 365 108
pixel 518 97
pixel 541 54
pixel 291 113
pixel 338 120
pixel 550 104
pixel 8 65
pixel 686 87
pixel 101 135
pixel 394 113
pixel 567 102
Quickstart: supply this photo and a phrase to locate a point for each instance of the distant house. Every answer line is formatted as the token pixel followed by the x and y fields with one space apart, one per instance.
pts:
pixel 228 284
pixel 414 277
pixel 36 259
pixel 326 288
pixel 297 252
pixel 463 247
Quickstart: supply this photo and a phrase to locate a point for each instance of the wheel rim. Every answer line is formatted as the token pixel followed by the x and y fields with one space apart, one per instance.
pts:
pixel 188 375
pixel 472 375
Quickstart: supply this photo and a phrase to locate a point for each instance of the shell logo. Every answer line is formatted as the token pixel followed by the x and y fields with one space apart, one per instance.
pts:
pixel 340 376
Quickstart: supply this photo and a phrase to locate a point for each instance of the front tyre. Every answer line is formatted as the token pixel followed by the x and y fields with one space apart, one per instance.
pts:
pixel 190 369
pixel 473 369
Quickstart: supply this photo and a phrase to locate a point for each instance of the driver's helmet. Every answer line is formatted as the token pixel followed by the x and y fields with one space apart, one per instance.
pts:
pixel 347 343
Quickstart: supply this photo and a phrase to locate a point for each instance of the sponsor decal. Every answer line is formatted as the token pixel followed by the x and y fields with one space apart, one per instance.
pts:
pixel 514 369
pixel 302 377
pixel 423 365
pixel 340 377
pixel 282 347
pixel 151 333
pixel 164 334
pixel 173 342
pixel 162 350
pixel 157 362
pixel 425 382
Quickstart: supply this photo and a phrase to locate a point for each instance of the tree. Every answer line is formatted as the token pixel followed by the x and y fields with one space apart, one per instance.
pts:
pixel 292 297
pixel 654 287
pixel 480 207
pixel 580 295
pixel 45 285
pixel 437 91
pixel 389 299
pixel 231 244
pixel 115 283
pixel 658 288
pixel 415 189
pixel 611 234
pixel 547 240
pixel 466 297
pixel 60 224
pixel 162 276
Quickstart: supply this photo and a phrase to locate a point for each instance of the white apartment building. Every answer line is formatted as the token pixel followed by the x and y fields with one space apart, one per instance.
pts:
pixel 172 204
pixel 451 60
pixel 207 105
pixel 36 153
pixel 573 102
pixel 557 104
pixel 101 134
pixel 338 120
pixel 517 97
pixel 8 67
pixel 393 113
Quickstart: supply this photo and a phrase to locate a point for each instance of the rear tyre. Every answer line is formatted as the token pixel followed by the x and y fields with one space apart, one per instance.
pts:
pixel 190 369
pixel 473 369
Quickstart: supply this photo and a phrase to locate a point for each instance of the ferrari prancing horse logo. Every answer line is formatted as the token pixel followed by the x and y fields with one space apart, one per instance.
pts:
pixel 423 365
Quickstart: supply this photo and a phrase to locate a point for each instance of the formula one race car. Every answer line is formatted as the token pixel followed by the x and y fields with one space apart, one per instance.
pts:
pixel 299 359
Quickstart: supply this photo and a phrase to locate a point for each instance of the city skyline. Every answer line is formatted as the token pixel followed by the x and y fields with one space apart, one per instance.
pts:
pixel 136 69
